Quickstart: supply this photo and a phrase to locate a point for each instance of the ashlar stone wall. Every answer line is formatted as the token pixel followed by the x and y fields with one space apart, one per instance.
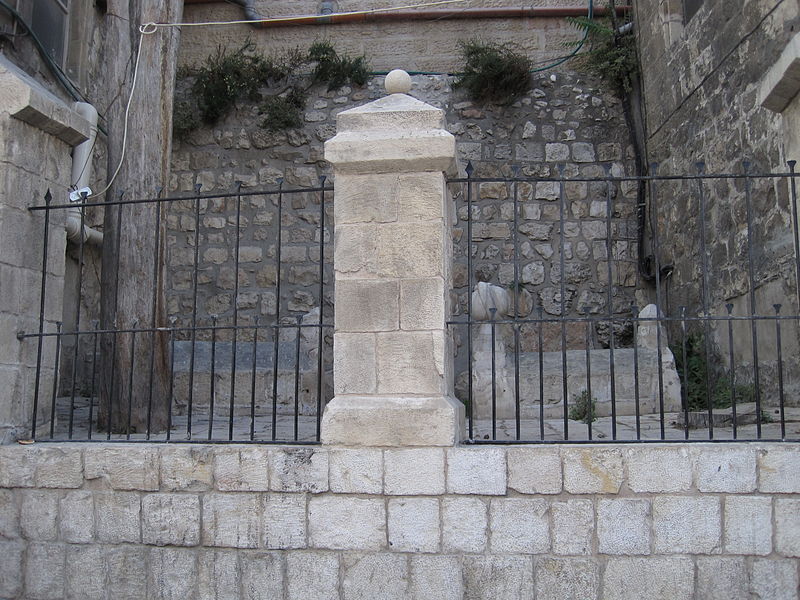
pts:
pixel 671 522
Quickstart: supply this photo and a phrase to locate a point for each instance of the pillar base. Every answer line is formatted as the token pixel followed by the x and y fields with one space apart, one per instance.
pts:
pixel 393 421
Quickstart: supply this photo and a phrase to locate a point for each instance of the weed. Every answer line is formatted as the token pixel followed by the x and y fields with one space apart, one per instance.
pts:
pixel 582 408
pixel 284 111
pixel 493 72
pixel 335 70
pixel 611 56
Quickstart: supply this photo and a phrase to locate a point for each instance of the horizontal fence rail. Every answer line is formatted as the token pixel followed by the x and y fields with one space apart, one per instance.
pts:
pixel 619 308
pixel 256 368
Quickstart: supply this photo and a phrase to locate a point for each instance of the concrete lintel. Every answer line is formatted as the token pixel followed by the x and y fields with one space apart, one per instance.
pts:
pixel 26 99
pixel 393 421
pixel 782 82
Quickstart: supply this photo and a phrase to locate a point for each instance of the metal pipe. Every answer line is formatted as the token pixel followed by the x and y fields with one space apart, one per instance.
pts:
pixel 507 12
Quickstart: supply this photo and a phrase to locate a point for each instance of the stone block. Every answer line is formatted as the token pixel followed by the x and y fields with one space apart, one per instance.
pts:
pixel 11 554
pixel 346 523
pixel 414 471
pixel 366 198
pixel 285 521
pixel 187 468
pixel 171 574
pixel 127 572
pixel 354 364
pixel 356 471
pixel 39 515
pixel 76 517
pixel 779 470
pixel 123 468
pixel 367 305
pixel 476 471
pixel 370 576
pixel 659 469
pixel 410 250
pixel 218 576
pixel 262 575
pixel 592 470
pixel 684 524
pixel 573 527
pixel 748 525
pixel 9 515
pixel 413 524
pixel 623 526
pixel 298 470
pixel 464 524
pixel 171 519
pixel 534 470
pixel 422 304
pixel 59 468
pixel 583 152
pixel 519 525
pixel 787 526
pixel 241 469
pixel 116 516
pixel 722 578
pixel 556 152
pixel 773 578
pixel 355 251
pixel 17 466
pixel 324 584
pixel 45 571
pixel 86 573
pixel 725 469
pixel 659 578
pixel 566 578
pixel 231 520
pixel 410 362
pixel 420 197
pixel 436 577
pixel 505 577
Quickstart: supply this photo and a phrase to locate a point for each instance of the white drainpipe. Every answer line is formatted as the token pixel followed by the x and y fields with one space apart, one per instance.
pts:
pixel 81 174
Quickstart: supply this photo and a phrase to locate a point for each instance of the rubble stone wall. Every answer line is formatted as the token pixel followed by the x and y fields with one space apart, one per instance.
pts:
pixel 667 522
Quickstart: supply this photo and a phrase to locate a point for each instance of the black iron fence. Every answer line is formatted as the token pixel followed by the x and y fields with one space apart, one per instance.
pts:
pixel 610 308
pixel 187 366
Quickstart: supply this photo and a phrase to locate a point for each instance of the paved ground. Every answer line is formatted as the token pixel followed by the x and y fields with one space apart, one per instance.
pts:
pixel 505 430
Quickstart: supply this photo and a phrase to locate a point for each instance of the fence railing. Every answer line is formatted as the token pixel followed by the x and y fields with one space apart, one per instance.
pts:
pixel 585 314
pixel 232 359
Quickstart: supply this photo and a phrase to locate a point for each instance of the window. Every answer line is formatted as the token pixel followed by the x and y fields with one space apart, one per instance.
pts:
pixel 690 7
pixel 49 20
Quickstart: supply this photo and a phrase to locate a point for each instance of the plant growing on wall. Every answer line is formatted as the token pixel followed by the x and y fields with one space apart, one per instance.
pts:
pixel 493 72
pixel 212 90
pixel 582 408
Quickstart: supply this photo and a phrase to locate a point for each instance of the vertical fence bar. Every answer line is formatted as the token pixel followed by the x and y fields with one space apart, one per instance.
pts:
pixel 517 290
pixel 637 408
pixel 492 315
pixel 253 382
pixel 729 309
pixel 172 322
pixel 77 316
pixel 48 197
pixel 795 226
pixel 276 347
pixel 540 341
pixel 111 388
pixel 752 295
pixel 194 308
pixel 95 325
pixel 111 382
pixel 589 408
pixel 55 379
pixel 130 378
pixel 154 314
pixel 469 169
pixel 685 386
pixel 235 306
pixel 781 399
pixel 320 333
pixel 659 311
pixel 212 383
pixel 705 292
pixel 563 292
pixel 297 377
pixel 610 302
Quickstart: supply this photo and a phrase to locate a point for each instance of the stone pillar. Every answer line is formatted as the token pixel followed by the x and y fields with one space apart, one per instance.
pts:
pixel 393 358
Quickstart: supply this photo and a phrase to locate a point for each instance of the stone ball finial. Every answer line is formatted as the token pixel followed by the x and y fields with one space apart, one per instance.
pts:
pixel 397 82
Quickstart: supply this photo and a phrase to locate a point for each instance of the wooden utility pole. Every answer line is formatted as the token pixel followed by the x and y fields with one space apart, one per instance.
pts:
pixel 135 367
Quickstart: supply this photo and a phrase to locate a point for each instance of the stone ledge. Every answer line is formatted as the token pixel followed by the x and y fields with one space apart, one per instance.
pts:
pixel 782 82
pixel 25 99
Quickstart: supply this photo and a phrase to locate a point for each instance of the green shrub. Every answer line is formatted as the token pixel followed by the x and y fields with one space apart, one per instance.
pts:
pixel 285 111
pixel 610 56
pixel 493 72
pixel 582 407
pixel 335 70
